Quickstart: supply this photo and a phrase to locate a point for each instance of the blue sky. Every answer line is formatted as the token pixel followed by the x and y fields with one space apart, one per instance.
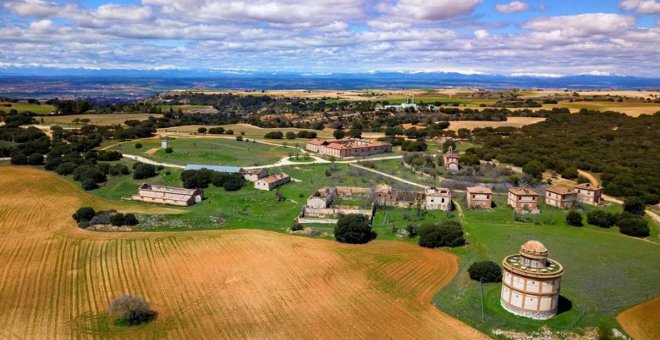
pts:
pixel 548 38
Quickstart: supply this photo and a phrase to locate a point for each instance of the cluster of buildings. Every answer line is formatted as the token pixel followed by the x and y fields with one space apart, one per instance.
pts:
pixel 524 199
pixel 258 176
pixel 347 147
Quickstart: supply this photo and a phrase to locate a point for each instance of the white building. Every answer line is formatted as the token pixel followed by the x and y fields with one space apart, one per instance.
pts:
pixel 438 199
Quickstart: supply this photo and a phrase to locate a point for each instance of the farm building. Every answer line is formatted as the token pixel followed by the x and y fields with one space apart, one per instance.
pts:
pixel 253 175
pixel 217 168
pixel 523 199
pixel 450 160
pixel 589 194
pixel 438 198
pixel 479 197
pixel 271 182
pixel 168 195
pixel 560 197
pixel 385 195
pixel 531 282
pixel 322 198
pixel 347 147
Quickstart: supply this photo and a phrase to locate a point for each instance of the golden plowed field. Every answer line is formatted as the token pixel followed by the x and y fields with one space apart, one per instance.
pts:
pixel 56 280
pixel 642 321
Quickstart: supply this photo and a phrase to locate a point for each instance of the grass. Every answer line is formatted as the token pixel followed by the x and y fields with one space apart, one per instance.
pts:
pixel 605 271
pixel 175 108
pixel 98 119
pixel 211 151
pixel 254 132
pixel 40 109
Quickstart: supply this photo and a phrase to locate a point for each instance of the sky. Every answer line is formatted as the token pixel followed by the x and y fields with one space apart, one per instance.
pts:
pixel 541 38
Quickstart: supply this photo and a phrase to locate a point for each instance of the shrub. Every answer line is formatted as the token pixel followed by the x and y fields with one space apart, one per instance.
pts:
pixel 297 226
pixel 18 158
pixel 65 168
pixel 534 168
pixel 229 132
pixel 274 135
pixel 138 145
pixel 634 205
pixel 485 271
pixel 169 149
pixel 290 135
pixel 216 131
pixel 35 159
pixel 108 155
pixel 600 218
pixel 233 182
pixel 143 171
pixel 339 134
pixel 574 218
pixel 202 130
pixel 117 219
pixel 354 229
pixel 132 310
pixel 239 138
pixel 84 214
pixel 89 184
pixel 634 226
pixel 130 219
pixel 443 234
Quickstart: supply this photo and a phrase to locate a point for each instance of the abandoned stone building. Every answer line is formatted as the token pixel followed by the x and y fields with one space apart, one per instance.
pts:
pixel 531 282
pixel 589 193
pixel 450 160
pixel 322 198
pixel 162 194
pixel 347 147
pixel 479 197
pixel 271 182
pixel 560 197
pixel 523 199
pixel 253 175
pixel 438 199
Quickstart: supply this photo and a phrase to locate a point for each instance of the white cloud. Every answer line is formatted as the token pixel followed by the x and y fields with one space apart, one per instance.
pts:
pixel 512 7
pixel 481 34
pixel 641 6
pixel 581 24
pixel 433 10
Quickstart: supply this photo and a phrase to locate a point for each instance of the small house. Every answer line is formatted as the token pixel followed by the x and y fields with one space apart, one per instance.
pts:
pixel 450 160
pixel 321 198
pixel 252 175
pixel 589 193
pixel 271 182
pixel 438 199
pixel 479 197
pixel 523 199
pixel 164 142
pixel 559 197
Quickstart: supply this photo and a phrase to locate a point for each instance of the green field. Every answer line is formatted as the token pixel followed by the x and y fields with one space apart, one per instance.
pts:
pixel 605 271
pixel 41 109
pixel 210 151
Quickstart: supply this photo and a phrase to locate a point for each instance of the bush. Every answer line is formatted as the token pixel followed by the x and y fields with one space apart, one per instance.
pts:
pixel 485 271
pixel 574 218
pixel 443 234
pixel 297 226
pixel 89 184
pixel 339 134
pixel 239 138
pixel 19 158
pixel 290 135
pixel 534 168
pixel 216 131
pixel 233 182
pixel 202 130
pixel 143 171
pixel 130 219
pixel 138 145
pixel 634 205
pixel 634 226
pixel 274 135
pixel 354 229
pixel 600 218
pixel 306 134
pixel 65 168
pixel 108 156
pixel 35 159
pixel 117 219
pixel 132 310
pixel 169 149
pixel 84 214
pixel 229 132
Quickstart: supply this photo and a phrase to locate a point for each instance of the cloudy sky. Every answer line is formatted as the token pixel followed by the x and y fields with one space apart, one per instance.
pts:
pixel 547 37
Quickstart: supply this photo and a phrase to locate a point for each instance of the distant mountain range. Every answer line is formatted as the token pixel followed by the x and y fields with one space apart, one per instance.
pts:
pixel 132 84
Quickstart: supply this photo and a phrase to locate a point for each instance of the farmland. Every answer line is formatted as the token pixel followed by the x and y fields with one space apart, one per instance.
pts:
pixel 40 109
pixel 57 279
pixel 643 320
pixel 99 119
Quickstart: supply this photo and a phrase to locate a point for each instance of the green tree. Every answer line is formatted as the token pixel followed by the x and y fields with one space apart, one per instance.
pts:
pixel 574 218
pixel 84 214
pixel 339 134
pixel 600 218
pixel 354 228
pixel 485 271
pixel 443 234
pixel 534 168
pixel 132 310
pixel 634 205
pixel 202 130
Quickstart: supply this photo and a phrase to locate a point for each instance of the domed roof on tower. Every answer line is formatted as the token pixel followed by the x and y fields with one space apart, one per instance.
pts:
pixel 534 249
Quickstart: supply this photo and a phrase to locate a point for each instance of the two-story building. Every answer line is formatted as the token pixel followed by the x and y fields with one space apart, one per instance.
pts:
pixel 559 197
pixel 479 197
pixel 438 199
pixel 589 193
pixel 523 199
pixel 450 160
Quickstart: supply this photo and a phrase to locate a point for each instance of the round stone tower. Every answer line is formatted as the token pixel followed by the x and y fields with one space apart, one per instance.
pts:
pixel 530 282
